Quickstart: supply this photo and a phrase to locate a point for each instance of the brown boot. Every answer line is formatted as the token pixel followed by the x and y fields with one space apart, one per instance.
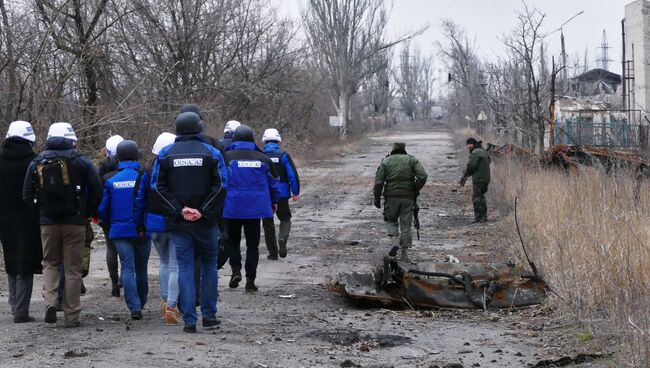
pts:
pixel 172 317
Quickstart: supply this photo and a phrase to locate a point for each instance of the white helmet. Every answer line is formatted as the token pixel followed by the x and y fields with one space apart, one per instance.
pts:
pixel 271 134
pixel 231 126
pixel 21 129
pixel 163 140
pixel 111 144
pixel 62 130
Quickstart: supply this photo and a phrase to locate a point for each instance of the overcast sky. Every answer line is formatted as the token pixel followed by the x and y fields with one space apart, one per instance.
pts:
pixel 487 20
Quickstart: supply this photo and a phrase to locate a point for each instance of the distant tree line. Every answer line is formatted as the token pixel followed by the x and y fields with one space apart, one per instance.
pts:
pixel 111 66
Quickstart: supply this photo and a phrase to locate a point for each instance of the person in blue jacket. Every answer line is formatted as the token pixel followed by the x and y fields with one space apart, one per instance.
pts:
pixel 289 188
pixel 117 209
pixel 190 178
pixel 229 132
pixel 253 194
pixel 149 207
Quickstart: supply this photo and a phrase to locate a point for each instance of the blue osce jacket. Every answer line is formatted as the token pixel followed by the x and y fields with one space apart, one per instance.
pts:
pixel 190 173
pixel 117 208
pixel 289 180
pixel 254 183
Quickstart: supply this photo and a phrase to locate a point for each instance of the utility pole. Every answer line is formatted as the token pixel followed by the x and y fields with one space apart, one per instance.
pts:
pixel 565 77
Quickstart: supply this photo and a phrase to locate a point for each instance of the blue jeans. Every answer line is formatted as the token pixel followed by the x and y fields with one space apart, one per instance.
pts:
pixel 168 268
pixel 203 241
pixel 134 256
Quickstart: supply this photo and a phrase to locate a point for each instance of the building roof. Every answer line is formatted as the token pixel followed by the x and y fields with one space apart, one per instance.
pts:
pixel 598 75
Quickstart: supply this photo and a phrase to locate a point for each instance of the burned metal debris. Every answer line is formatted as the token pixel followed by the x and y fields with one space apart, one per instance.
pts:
pixel 574 158
pixel 448 285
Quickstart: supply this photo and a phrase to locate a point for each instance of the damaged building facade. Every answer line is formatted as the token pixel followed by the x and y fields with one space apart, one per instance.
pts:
pixel 609 110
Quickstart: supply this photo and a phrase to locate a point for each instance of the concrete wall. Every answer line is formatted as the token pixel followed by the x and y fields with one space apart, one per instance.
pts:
pixel 637 43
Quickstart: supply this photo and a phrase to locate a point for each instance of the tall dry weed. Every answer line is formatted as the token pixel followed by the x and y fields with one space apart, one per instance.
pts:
pixel 590 238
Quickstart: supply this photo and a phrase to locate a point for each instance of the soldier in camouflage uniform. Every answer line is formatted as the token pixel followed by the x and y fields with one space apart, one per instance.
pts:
pixel 478 167
pixel 399 179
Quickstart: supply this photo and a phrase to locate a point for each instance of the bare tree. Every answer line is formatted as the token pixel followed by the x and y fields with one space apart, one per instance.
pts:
pixel 464 69
pixel 378 87
pixel 344 35
pixel 521 43
pixel 415 83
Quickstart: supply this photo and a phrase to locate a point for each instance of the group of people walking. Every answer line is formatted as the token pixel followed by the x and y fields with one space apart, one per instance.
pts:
pixel 191 202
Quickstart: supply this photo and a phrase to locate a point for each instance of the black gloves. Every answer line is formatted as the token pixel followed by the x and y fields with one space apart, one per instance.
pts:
pixel 463 180
pixel 378 202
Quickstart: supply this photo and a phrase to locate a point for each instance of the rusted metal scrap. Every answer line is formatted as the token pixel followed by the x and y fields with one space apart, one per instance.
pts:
pixel 447 285
pixel 574 157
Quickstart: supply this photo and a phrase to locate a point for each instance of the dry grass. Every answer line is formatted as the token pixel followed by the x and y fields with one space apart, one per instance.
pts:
pixel 591 241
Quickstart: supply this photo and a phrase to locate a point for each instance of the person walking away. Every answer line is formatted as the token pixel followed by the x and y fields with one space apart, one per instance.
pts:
pixel 19 229
pixel 190 177
pixel 253 195
pixel 216 144
pixel 148 205
pixel 228 132
pixel 399 179
pixel 478 168
pixel 117 209
pixel 66 187
pixel 289 188
pixel 106 167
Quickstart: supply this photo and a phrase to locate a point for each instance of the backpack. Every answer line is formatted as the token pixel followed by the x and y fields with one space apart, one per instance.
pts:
pixel 58 195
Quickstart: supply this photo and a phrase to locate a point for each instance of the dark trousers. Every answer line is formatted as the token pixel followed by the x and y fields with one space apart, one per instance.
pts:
pixel 111 257
pixel 479 202
pixel 284 215
pixel 252 233
pixel 20 294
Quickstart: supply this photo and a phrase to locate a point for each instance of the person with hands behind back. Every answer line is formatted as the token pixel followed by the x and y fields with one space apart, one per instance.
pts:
pixel 191 180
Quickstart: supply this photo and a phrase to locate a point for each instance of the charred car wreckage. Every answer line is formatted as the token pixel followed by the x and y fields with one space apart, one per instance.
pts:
pixel 442 285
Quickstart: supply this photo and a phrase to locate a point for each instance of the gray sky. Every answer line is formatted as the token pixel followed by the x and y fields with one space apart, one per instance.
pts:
pixel 487 20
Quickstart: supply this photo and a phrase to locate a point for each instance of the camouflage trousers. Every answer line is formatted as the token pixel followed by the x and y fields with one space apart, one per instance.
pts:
pixel 478 199
pixel 398 214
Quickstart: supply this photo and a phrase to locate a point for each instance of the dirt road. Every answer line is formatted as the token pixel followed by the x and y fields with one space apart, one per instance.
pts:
pixel 335 229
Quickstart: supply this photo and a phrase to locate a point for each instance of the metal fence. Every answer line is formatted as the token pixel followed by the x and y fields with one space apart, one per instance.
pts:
pixel 614 133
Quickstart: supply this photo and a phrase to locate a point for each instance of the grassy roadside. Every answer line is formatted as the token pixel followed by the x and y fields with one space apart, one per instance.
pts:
pixel 590 239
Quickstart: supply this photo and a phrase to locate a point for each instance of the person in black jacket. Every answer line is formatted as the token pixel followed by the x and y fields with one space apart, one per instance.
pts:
pixel 190 107
pixel 19 232
pixel 191 179
pixel 66 187
pixel 106 167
